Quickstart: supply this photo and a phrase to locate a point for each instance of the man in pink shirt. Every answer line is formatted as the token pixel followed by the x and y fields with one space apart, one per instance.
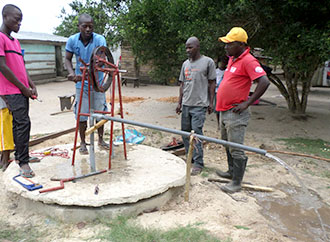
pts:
pixel 15 85
pixel 233 103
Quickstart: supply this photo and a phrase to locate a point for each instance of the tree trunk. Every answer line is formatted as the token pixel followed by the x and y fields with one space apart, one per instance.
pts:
pixel 290 91
pixel 290 101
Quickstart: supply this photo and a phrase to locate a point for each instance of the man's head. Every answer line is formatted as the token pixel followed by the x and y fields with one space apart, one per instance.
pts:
pixel 12 17
pixel 192 48
pixel 86 26
pixel 236 41
pixel 222 62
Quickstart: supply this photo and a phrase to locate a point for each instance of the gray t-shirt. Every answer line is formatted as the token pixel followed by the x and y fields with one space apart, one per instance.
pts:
pixel 2 103
pixel 195 77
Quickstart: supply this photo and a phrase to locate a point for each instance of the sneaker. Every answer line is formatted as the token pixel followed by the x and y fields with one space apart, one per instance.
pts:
pixel 196 171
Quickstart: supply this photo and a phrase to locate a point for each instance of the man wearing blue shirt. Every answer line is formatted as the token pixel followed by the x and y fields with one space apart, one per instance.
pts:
pixel 82 45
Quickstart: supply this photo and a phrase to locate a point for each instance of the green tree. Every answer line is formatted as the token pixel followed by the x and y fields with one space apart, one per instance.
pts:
pixel 297 35
pixel 104 14
pixel 157 31
pixel 294 33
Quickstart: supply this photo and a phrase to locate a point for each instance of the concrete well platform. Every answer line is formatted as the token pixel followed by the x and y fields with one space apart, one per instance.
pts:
pixel 145 181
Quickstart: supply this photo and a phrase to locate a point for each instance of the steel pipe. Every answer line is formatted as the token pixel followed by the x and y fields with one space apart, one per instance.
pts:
pixel 182 133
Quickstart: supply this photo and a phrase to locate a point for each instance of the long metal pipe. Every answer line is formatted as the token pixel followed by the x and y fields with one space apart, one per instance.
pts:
pixel 182 133
pixel 222 142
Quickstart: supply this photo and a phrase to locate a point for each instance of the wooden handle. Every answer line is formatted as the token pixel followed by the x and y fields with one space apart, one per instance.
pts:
pixel 189 158
pixel 244 185
pixel 95 127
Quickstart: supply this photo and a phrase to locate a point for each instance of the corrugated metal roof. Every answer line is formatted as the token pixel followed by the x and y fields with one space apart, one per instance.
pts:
pixel 22 35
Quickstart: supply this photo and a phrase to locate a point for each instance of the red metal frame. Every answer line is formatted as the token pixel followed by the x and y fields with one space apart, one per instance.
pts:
pixel 115 73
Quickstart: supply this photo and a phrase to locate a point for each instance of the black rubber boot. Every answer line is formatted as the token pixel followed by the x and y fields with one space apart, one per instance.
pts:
pixel 238 173
pixel 232 187
pixel 227 174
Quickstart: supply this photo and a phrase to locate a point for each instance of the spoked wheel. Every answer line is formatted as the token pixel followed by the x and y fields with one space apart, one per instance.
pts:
pixel 101 67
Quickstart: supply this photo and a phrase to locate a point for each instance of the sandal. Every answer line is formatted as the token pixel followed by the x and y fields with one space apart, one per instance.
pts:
pixel 26 173
pixel 34 159
pixel 104 146
pixel 83 150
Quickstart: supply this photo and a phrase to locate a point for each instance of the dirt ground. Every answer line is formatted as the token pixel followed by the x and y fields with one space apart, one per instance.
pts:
pixel 287 214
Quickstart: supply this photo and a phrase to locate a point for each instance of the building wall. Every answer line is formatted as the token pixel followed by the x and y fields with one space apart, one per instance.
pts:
pixel 40 60
pixel 128 62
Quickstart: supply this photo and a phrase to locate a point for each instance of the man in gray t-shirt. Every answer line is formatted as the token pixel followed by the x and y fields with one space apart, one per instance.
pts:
pixel 197 89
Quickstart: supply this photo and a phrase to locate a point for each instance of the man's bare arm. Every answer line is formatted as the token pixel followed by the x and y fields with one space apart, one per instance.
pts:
pixel 262 86
pixel 178 108
pixel 69 67
pixel 211 90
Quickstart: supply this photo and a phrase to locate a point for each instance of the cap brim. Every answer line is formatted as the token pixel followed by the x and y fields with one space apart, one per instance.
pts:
pixel 225 39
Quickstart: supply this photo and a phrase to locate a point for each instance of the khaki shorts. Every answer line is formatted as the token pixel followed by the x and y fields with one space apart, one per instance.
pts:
pixel 6 128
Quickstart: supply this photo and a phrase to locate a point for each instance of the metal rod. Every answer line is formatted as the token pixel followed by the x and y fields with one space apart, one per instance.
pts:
pixel 78 115
pixel 91 136
pixel 183 133
pixel 112 114
pixel 79 177
pixel 61 186
pixel 121 114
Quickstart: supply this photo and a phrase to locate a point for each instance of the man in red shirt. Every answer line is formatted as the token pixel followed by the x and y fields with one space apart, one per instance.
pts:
pixel 233 102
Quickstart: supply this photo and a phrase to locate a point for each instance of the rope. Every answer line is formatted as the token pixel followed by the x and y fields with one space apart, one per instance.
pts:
pixel 51 152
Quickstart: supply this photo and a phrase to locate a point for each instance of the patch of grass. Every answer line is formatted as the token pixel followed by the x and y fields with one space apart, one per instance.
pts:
pixel 207 171
pixel 316 147
pixel 326 174
pixel 241 227
pixel 205 174
pixel 123 230
pixel 23 233
pixel 309 172
pixel 310 162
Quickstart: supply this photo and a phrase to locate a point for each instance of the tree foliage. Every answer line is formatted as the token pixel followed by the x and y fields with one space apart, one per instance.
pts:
pixel 294 33
pixel 157 31
pixel 104 14
pixel 297 35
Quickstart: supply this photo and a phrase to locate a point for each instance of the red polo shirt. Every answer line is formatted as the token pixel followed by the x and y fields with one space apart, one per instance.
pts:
pixel 237 80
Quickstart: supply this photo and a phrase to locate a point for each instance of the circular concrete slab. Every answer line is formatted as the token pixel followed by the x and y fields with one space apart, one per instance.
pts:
pixel 146 173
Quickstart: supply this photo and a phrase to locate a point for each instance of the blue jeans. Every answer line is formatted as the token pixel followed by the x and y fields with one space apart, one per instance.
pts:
pixel 233 127
pixel 99 103
pixel 193 118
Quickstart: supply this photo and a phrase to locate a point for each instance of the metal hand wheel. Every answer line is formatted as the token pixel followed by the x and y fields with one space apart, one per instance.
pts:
pixel 101 68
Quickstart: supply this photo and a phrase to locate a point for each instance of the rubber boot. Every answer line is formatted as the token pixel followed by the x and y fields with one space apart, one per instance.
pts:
pixel 227 174
pixel 238 173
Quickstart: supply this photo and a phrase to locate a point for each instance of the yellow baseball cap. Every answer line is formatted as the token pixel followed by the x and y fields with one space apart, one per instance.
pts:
pixel 235 34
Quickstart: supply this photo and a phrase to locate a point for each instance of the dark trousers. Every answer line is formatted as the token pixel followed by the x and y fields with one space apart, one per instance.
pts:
pixel 192 118
pixel 19 106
